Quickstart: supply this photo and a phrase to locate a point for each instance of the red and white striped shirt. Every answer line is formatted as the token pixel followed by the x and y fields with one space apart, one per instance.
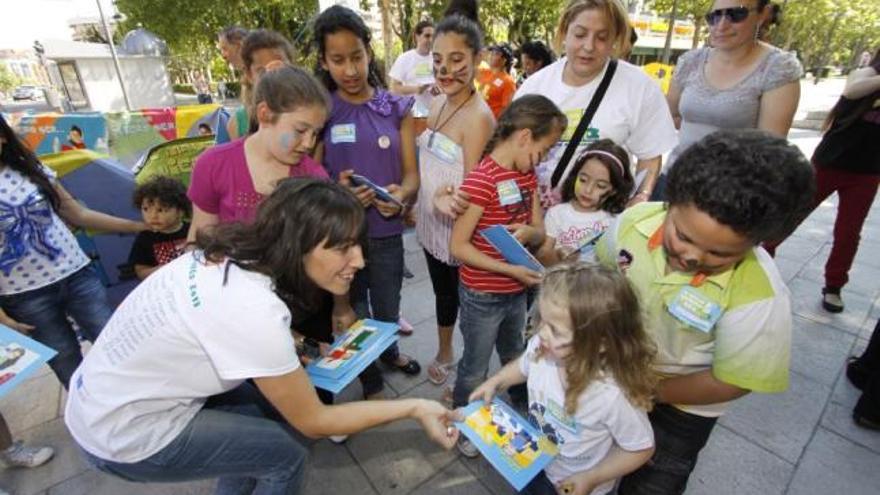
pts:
pixel 483 185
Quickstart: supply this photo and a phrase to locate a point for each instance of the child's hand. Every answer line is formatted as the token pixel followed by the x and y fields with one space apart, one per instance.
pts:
pixel 13 324
pixel 526 234
pixel 485 392
pixel 364 194
pixel 451 202
pixel 577 484
pixel 386 208
pixel 526 276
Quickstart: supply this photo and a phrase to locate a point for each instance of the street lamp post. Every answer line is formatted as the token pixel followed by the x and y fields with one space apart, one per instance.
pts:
pixel 113 54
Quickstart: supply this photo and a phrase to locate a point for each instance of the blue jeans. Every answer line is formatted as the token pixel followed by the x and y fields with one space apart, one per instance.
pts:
pixel 488 321
pixel 234 442
pixel 679 436
pixel 80 296
pixel 540 485
pixel 375 291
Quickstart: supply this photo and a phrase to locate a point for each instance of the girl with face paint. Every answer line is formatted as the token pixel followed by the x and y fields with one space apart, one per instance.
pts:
pixel 369 132
pixel 230 180
pixel 459 125
pixel 593 194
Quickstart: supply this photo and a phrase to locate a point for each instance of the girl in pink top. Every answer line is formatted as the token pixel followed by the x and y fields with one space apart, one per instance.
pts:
pixel 229 181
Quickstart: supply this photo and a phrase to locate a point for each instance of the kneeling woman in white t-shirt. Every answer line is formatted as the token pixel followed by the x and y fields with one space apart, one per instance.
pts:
pixel 206 322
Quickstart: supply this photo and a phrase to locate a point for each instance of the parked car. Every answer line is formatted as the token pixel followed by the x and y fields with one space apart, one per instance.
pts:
pixel 26 93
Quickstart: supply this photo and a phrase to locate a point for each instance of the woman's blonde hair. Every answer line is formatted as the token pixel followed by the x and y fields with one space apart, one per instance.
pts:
pixel 615 14
pixel 608 336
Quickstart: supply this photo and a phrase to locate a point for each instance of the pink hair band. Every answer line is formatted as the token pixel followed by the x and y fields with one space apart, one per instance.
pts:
pixel 609 155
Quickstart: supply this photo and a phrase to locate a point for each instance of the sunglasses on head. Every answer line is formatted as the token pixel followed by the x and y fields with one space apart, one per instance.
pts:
pixel 733 14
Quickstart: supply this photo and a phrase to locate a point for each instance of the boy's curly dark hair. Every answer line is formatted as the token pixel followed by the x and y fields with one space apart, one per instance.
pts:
pixel 759 185
pixel 621 181
pixel 167 191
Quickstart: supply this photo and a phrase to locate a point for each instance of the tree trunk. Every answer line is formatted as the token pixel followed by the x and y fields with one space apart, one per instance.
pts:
pixel 667 47
pixel 387 39
pixel 698 26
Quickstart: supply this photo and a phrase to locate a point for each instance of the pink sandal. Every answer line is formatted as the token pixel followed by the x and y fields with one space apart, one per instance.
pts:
pixel 438 372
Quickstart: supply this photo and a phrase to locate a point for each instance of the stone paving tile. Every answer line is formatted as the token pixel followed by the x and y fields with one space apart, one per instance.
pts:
pixel 817 350
pixel 731 464
pixel 490 478
pixel 455 479
pixel 68 462
pixel 798 248
pixel 863 281
pixel 780 423
pixel 34 402
pixel 833 464
pixel 806 302
pixel 333 470
pixel 838 418
pixel 398 457
pixel 789 268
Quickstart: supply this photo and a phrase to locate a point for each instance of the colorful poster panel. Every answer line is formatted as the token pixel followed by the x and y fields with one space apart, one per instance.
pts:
pixel 20 357
pixel 514 447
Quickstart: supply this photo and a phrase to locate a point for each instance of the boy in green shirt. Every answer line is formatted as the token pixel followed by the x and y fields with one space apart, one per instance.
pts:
pixel 714 301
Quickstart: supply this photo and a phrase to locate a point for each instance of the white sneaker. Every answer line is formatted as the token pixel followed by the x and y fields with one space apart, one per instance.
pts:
pixel 338 439
pixel 20 455
pixel 467 448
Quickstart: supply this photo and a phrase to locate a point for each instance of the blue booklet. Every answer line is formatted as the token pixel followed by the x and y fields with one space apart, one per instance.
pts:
pixel 351 353
pixel 20 357
pixel 510 248
pixel 514 447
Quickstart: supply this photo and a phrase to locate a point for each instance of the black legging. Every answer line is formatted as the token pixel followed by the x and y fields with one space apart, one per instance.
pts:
pixel 868 366
pixel 444 278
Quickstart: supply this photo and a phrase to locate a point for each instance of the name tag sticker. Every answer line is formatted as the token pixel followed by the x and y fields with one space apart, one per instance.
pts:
pixel 343 133
pixel 694 309
pixel 508 193
pixel 443 148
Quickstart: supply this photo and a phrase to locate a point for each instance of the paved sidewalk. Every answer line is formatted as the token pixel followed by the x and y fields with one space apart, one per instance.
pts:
pixel 799 442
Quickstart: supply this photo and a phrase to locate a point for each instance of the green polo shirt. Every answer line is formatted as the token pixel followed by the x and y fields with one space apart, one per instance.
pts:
pixel 749 346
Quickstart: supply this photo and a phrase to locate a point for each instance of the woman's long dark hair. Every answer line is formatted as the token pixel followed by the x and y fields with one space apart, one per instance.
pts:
pixel 845 113
pixel 18 157
pixel 300 215
pixel 338 18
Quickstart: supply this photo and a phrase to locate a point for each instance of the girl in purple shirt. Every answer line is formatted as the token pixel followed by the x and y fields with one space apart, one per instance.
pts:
pixel 370 133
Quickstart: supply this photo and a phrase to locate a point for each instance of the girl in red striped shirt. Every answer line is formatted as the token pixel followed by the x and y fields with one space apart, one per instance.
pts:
pixel 502 188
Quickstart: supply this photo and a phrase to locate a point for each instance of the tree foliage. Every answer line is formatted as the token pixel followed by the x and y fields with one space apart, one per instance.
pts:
pixel 190 27
pixel 8 80
pixel 822 32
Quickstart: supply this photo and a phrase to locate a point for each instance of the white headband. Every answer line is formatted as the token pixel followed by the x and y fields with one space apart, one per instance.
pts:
pixel 609 155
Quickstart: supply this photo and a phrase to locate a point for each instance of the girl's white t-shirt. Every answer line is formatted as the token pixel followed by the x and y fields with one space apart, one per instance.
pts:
pixel 191 330
pixel 633 113
pixel 604 417
pixel 571 228
pixel 36 247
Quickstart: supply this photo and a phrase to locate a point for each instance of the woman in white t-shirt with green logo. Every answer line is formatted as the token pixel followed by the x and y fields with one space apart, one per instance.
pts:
pixel 633 112
pixel 163 396
pixel 413 71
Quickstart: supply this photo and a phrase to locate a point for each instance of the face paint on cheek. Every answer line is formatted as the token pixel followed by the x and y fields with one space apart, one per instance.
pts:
pixel 288 139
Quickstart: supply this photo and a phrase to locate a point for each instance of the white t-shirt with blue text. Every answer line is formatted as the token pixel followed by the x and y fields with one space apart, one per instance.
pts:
pixel 604 417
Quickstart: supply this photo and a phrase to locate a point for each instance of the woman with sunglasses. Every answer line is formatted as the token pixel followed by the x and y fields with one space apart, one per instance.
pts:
pixel 738 82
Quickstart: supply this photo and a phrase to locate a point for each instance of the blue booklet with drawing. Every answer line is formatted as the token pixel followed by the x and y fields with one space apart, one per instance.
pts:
pixel 515 448
pixel 20 357
pixel 512 250
pixel 351 353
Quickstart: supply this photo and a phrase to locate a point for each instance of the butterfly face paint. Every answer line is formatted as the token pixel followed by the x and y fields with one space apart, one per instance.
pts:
pixel 454 63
